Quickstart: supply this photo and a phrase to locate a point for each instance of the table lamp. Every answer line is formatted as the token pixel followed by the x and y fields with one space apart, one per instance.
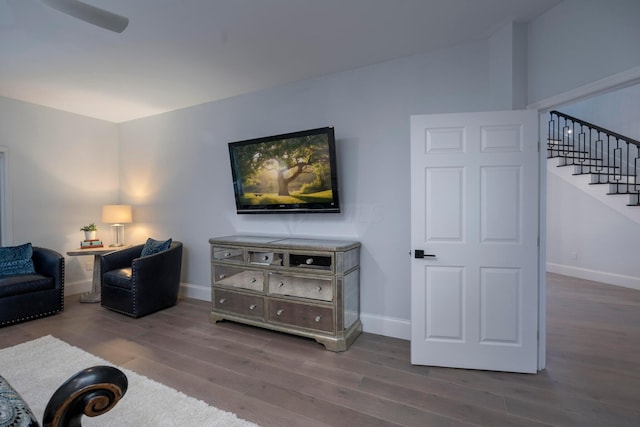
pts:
pixel 117 216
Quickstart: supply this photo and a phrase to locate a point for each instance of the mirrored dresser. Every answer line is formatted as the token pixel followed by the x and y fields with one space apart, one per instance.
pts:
pixel 307 287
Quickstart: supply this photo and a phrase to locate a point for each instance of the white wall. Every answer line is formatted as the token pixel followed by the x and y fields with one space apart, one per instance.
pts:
pixel 174 167
pixel 582 41
pixel 508 62
pixel 589 236
pixel 618 111
pixel 577 43
pixel 62 168
pixel 176 173
pixel 586 238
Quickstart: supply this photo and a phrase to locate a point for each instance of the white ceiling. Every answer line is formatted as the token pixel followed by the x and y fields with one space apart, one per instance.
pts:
pixel 178 53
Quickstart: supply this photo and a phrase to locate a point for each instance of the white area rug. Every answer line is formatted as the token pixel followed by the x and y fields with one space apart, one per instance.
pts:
pixel 37 368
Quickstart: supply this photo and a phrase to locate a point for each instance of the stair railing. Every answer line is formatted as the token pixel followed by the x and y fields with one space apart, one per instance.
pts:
pixel 610 158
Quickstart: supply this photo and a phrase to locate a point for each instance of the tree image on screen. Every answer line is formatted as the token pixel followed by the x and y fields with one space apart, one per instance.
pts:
pixel 288 171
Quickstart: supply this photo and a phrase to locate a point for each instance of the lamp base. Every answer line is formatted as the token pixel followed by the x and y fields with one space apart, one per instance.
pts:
pixel 117 231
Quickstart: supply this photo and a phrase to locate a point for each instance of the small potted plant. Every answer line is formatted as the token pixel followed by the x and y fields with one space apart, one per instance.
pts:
pixel 89 231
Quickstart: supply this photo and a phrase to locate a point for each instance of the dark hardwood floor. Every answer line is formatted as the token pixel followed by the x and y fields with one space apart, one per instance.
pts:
pixel 592 376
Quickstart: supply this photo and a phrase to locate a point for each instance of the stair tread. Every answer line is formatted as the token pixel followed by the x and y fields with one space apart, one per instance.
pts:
pixel 601 167
pixel 615 183
pixel 625 180
pixel 605 173
pixel 598 175
pixel 582 158
pixel 622 193
pixel 566 151
pixel 597 170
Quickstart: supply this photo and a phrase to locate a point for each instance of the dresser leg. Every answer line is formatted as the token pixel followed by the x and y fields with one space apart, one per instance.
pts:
pixel 214 318
pixel 342 344
pixel 333 344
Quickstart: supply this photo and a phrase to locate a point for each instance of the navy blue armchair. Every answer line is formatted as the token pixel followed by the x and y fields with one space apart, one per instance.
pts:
pixel 30 296
pixel 135 285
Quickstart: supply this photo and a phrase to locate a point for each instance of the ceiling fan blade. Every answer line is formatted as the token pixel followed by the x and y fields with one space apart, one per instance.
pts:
pixel 91 14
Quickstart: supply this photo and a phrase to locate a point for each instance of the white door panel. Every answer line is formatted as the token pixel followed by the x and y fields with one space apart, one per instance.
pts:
pixel 474 198
pixel 445 213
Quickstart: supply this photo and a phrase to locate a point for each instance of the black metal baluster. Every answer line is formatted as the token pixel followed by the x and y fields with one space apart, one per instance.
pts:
pixel 609 157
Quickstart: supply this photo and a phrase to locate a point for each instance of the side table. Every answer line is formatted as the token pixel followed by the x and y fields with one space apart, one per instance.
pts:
pixel 94 295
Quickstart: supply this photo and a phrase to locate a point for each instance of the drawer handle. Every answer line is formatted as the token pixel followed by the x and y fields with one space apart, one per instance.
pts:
pixel 252 307
pixel 222 276
pixel 227 254
pixel 318 318
pixel 253 280
pixel 309 261
pixel 319 288
pixel 265 258
pixel 223 300
pixel 280 312
pixel 280 284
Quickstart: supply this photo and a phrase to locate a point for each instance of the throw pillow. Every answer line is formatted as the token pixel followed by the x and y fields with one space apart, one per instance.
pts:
pixel 16 260
pixel 152 246
pixel 13 410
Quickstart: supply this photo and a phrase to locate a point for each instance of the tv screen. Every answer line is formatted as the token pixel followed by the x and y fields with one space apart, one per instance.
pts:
pixel 293 172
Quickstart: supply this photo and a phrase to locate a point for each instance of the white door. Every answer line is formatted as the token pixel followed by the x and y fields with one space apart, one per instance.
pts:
pixel 474 213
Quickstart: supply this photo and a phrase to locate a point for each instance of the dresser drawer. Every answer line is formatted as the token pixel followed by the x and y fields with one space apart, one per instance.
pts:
pixel 238 277
pixel 246 305
pixel 230 255
pixel 302 287
pixel 302 315
pixel 311 261
pixel 266 258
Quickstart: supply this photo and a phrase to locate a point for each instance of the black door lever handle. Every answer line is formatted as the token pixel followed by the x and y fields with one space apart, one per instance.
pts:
pixel 419 253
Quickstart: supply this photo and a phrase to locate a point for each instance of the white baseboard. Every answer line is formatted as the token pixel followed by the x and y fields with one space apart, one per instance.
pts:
pixel 386 326
pixel 595 275
pixel 203 293
pixel 380 325
pixel 76 288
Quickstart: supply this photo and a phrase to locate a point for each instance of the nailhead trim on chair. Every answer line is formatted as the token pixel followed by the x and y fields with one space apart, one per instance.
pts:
pixel 134 288
pixel 62 295
pixel 48 313
pixel 22 319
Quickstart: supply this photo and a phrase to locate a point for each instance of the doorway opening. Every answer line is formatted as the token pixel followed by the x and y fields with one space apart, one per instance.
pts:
pixel 6 228
pixel 588 92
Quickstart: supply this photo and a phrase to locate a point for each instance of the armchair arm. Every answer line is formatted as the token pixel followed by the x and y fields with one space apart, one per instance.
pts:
pixel 120 259
pixel 49 263
pixel 92 392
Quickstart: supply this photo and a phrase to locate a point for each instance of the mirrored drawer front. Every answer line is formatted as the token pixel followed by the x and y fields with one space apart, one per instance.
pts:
pixel 233 255
pixel 303 287
pixel 247 305
pixel 306 316
pixel 238 278
pixel 314 262
pixel 266 258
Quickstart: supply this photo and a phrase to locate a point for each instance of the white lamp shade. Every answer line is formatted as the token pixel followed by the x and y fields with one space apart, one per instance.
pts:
pixel 116 214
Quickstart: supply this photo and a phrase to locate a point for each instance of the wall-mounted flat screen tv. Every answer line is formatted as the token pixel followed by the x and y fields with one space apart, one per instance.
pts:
pixel 289 173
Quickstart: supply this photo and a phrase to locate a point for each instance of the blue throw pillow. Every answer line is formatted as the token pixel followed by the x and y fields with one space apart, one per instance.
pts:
pixel 152 247
pixel 16 260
